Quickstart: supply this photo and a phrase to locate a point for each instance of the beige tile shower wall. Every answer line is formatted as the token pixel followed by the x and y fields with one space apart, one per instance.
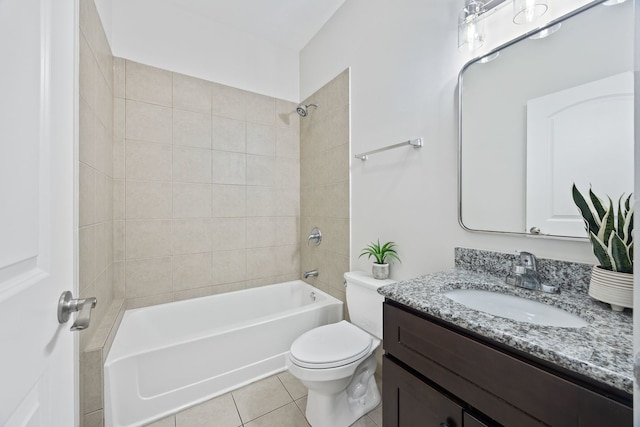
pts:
pixel 206 189
pixel 96 161
pixel 95 199
pixel 324 200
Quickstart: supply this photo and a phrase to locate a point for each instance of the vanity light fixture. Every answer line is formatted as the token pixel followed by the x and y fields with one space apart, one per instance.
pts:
pixel 526 11
pixel 546 32
pixel 471 26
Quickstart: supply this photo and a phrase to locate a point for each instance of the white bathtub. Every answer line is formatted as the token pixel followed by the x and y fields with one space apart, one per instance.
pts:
pixel 171 356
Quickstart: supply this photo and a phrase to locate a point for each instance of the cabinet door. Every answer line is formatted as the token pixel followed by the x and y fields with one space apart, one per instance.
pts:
pixel 410 402
pixel 471 421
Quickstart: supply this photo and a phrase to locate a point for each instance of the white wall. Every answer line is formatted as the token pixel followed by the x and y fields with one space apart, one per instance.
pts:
pixel 105 11
pixel 404 68
pixel 164 35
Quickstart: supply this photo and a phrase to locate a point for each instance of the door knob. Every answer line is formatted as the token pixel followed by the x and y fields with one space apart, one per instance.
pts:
pixel 67 305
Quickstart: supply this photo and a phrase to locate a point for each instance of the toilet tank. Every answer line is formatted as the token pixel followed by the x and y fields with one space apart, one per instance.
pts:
pixel 364 302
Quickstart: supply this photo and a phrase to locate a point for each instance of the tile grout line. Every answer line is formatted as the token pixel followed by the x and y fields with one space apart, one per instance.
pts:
pixel 294 400
pixel 273 410
pixel 285 388
pixel 237 410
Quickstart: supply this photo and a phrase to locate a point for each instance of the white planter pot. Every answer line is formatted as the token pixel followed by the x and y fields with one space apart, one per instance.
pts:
pixel 612 287
pixel 380 271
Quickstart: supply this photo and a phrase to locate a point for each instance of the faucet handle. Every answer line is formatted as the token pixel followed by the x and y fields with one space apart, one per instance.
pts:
pixel 519 269
pixel 316 236
pixel 528 260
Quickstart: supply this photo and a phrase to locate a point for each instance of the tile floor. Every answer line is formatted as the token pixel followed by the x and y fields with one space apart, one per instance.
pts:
pixel 277 401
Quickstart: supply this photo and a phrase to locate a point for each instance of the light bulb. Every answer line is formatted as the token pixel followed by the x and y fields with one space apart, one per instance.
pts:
pixel 525 11
pixel 471 26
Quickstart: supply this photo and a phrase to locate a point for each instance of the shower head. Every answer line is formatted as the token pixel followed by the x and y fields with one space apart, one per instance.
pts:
pixel 303 109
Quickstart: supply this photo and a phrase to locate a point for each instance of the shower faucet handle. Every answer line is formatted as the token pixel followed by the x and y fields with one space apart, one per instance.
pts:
pixel 316 236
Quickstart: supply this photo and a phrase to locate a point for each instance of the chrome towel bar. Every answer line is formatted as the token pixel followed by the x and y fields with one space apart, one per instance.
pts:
pixel 415 143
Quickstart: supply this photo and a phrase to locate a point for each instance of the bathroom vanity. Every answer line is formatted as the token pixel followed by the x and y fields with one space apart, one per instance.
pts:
pixel 451 366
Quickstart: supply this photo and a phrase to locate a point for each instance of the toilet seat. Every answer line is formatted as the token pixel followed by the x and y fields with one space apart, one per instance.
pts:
pixel 330 346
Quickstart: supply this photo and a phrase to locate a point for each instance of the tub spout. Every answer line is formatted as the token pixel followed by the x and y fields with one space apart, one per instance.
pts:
pixel 310 273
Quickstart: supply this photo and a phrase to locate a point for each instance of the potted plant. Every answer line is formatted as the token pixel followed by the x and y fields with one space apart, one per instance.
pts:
pixel 381 254
pixel 611 237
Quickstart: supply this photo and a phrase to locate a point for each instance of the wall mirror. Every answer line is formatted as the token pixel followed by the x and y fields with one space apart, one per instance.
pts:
pixel 538 114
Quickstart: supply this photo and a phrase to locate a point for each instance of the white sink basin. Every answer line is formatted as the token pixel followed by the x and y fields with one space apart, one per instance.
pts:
pixel 515 308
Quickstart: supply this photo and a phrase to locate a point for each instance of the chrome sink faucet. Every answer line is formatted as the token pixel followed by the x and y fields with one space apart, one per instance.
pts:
pixel 525 275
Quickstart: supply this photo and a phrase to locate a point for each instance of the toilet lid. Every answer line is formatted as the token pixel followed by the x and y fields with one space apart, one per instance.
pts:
pixel 330 346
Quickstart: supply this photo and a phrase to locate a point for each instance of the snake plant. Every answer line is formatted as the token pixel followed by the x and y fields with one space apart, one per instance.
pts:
pixel 381 252
pixel 611 237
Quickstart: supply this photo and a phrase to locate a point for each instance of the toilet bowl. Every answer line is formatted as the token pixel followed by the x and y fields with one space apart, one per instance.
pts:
pixel 336 362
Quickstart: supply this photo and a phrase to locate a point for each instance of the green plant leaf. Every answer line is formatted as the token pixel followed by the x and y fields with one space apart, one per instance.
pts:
pixel 627 228
pixel 392 255
pixel 381 252
pixel 611 235
pixel 619 254
pixel 608 224
pixel 371 251
pixel 597 204
pixel 622 213
pixel 601 252
pixel 585 210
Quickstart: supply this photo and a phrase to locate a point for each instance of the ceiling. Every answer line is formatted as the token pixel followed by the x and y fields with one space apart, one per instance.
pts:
pixel 286 23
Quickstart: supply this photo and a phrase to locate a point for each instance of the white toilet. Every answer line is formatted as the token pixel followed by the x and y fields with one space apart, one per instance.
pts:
pixel 336 362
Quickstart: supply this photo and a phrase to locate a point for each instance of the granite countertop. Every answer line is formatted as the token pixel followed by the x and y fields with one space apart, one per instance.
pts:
pixel 601 351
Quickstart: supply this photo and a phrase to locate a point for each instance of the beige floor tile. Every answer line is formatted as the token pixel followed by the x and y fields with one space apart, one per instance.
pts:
pixel 376 415
pixel 364 421
pixel 302 404
pixel 259 398
pixel 218 412
pixel 287 416
pixel 165 422
pixel 293 385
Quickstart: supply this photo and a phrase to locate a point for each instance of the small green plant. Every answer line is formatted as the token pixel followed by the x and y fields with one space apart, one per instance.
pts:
pixel 611 237
pixel 381 253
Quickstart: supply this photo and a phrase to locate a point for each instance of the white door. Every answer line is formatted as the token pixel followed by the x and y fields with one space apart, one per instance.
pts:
pixel 38 368
pixel 562 129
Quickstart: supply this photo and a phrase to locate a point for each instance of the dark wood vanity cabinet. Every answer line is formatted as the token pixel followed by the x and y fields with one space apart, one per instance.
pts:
pixel 434 375
pixel 409 401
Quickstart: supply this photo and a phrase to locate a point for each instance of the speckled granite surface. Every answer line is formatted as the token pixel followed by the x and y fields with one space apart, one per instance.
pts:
pixel 566 275
pixel 601 351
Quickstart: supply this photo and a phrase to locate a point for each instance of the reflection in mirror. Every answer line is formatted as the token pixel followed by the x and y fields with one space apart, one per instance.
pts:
pixel 551 109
